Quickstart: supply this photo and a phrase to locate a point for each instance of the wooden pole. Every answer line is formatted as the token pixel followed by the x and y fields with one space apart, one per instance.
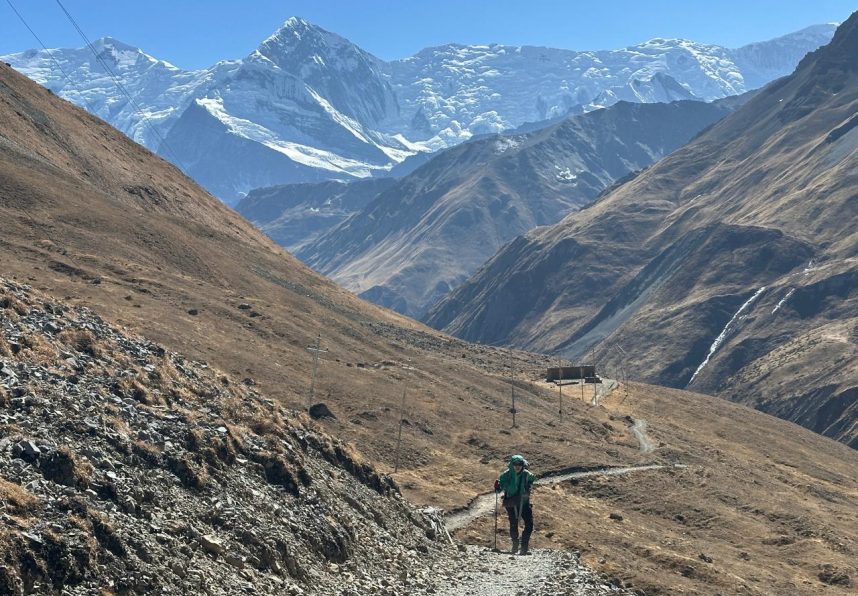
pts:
pixel 560 383
pixel 399 435
pixel 316 350
pixel 512 387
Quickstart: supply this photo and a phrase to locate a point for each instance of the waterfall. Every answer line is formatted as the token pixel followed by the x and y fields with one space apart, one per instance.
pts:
pixel 723 335
pixel 784 299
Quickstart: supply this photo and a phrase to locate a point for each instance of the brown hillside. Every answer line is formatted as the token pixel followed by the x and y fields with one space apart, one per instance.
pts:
pixel 147 258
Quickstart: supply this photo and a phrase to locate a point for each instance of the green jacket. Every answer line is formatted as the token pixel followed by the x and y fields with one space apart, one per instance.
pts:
pixel 512 484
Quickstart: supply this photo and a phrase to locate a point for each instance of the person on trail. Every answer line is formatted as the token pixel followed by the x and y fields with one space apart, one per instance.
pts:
pixel 516 483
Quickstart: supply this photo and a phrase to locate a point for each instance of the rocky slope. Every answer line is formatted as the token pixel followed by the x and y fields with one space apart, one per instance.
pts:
pixel 727 267
pixel 423 236
pixel 127 467
pixel 308 105
pixel 293 215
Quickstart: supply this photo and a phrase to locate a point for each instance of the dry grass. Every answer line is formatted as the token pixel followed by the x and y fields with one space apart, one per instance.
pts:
pixel 136 390
pixel 771 504
pixel 20 500
pixel 118 424
pixel 81 340
pixel 264 426
pixel 146 451
pixel 5 350
pixel 11 304
pixel 37 349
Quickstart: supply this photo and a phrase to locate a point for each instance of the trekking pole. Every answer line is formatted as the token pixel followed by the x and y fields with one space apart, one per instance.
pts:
pixel 521 490
pixel 495 535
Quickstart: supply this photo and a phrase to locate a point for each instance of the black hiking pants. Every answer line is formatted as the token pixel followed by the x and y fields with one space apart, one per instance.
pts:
pixel 527 515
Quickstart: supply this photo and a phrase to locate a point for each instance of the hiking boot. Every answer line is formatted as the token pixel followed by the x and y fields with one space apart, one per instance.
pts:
pixel 514 548
pixel 524 549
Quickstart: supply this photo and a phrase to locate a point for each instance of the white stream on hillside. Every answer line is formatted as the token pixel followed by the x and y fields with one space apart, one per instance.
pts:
pixel 723 335
pixel 782 300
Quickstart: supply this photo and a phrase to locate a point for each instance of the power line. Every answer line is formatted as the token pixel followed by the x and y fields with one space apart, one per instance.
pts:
pixel 41 43
pixel 119 84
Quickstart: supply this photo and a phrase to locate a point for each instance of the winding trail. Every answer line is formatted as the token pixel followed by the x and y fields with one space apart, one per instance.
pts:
pixel 639 430
pixel 546 572
pixel 484 504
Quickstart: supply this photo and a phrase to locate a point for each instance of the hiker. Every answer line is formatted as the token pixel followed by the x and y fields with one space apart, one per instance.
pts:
pixel 516 483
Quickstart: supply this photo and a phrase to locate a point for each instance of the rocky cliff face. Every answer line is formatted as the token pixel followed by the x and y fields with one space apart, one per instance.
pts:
pixel 727 267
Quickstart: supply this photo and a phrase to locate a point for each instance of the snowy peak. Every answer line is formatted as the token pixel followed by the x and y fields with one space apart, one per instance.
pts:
pixel 768 60
pixel 122 55
pixel 814 34
pixel 299 36
pixel 347 77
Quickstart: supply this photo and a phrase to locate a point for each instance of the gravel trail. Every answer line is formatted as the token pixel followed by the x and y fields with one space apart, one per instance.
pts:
pixel 639 429
pixel 542 573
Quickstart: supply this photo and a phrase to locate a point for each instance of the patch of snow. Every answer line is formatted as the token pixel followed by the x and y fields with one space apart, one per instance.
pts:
pixel 504 144
pixel 565 175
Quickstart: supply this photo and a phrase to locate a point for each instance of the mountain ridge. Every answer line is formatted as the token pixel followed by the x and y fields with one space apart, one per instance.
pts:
pixel 424 235
pixel 340 113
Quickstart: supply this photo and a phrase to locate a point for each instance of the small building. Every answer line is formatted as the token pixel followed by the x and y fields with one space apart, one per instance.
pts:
pixel 562 373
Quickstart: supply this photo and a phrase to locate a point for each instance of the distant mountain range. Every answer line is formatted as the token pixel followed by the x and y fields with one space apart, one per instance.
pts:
pixel 429 231
pixel 294 215
pixel 729 267
pixel 308 105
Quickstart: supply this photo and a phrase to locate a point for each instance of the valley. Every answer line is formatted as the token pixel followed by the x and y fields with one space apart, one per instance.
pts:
pixel 728 267
pixel 188 407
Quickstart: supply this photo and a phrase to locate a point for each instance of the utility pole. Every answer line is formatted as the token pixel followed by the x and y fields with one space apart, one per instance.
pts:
pixel 512 387
pixel 399 435
pixel 316 350
pixel 593 361
pixel 623 373
pixel 560 384
pixel 581 380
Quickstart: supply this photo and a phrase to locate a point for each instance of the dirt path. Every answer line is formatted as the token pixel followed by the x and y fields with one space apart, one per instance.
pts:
pixel 484 504
pixel 639 429
pixel 543 573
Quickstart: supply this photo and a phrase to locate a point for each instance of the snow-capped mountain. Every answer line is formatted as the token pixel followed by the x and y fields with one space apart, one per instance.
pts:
pixel 451 92
pixel 161 90
pixel 309 105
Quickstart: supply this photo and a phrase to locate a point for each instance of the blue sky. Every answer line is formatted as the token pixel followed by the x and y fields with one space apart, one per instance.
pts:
pixel 193 34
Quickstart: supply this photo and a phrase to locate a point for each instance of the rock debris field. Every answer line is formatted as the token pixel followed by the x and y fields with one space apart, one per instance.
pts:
pixel 126 468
